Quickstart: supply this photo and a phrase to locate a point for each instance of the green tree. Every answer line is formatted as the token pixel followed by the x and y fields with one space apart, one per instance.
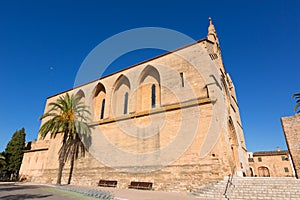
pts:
pixel 67 116
pixel 2 161
pixel 297 99
pixel 14 153
pixel 2 164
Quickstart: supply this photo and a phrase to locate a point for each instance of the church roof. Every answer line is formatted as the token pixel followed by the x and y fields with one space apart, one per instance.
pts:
pixel 126 68
pixel 211 31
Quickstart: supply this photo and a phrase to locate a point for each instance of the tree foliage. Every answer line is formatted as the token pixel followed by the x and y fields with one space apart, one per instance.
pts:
pixel 2 165
pixel 2 162
pixel 297 99
pixel 67 116
pixel 14 152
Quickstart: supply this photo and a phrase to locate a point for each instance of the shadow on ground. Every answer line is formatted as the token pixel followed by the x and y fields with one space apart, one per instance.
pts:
pixel 24 196
pixel 12 187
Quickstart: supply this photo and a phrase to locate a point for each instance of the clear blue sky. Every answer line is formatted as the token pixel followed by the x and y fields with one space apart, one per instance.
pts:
pixel 43 43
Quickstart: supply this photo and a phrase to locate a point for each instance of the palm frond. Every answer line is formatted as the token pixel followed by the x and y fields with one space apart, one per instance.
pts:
pixel 297 95
pixel 68 115
pixel 296 108
pixel 297 99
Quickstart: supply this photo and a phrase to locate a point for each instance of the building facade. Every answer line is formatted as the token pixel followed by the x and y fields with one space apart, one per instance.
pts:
pixel 291 129
pixel 271 164
pixel 160 121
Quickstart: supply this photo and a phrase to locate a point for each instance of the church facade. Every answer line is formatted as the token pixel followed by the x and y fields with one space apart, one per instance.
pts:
pixel 158 121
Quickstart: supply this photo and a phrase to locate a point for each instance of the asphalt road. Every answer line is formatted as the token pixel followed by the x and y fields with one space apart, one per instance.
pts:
pixel 12 191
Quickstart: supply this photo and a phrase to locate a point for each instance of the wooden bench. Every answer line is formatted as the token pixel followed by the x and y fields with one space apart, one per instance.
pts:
pixel 140 185
pixel 108 183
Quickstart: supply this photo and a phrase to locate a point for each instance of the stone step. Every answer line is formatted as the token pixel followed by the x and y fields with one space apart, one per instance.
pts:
pixel 252 188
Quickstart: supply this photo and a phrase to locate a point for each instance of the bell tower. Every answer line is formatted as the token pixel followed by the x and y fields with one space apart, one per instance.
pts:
pixel 235 130
pixel 212 33
pixel 212 36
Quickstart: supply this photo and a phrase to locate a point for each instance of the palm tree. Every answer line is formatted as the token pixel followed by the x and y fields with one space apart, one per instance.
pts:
pixel 297 98
pixel 67 116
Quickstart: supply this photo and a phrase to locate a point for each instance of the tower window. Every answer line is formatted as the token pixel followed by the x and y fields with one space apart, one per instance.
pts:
pixel 102 109
pixel 153 96
pixel 182 79
pixel 126 103
pixel 286 169
pixel 284 158
pixel 259 159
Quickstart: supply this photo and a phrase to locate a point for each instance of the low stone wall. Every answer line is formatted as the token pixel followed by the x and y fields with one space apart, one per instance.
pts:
pixel 170 178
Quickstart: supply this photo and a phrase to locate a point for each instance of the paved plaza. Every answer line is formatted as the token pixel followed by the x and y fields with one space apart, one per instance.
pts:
pixel 133 194
pixel 19 191
pixel 12 191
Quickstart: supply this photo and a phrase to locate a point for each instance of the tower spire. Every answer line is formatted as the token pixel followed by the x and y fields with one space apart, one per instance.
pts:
pixel 216 50
pixel 212 33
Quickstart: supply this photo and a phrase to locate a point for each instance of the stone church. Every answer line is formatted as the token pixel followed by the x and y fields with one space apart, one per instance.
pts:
pixel 172 120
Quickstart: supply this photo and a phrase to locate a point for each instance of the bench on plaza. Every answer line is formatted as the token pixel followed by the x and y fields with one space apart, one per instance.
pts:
pixel 107 183
pixel 140 185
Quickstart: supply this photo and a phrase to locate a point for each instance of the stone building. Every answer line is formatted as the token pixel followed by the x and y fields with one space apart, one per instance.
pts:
pixel 291 129
pixel 172 120
pixel 270 164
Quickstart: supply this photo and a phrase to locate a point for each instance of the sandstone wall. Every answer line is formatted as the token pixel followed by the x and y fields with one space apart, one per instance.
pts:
pixel 291 128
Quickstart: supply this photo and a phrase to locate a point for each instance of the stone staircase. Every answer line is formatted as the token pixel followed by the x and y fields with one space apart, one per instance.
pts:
pixel 241 188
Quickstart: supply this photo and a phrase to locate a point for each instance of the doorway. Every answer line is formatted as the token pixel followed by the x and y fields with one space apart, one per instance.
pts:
pixel 263 172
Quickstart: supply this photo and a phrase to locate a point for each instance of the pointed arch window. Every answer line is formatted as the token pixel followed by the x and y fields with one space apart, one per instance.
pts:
pixel 126 103
pixel 102 109
pixel 153 96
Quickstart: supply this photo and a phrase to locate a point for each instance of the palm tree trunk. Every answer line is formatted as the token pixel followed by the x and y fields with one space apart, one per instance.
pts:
pixel 60 169
pixel 62 153
pixel 71 166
